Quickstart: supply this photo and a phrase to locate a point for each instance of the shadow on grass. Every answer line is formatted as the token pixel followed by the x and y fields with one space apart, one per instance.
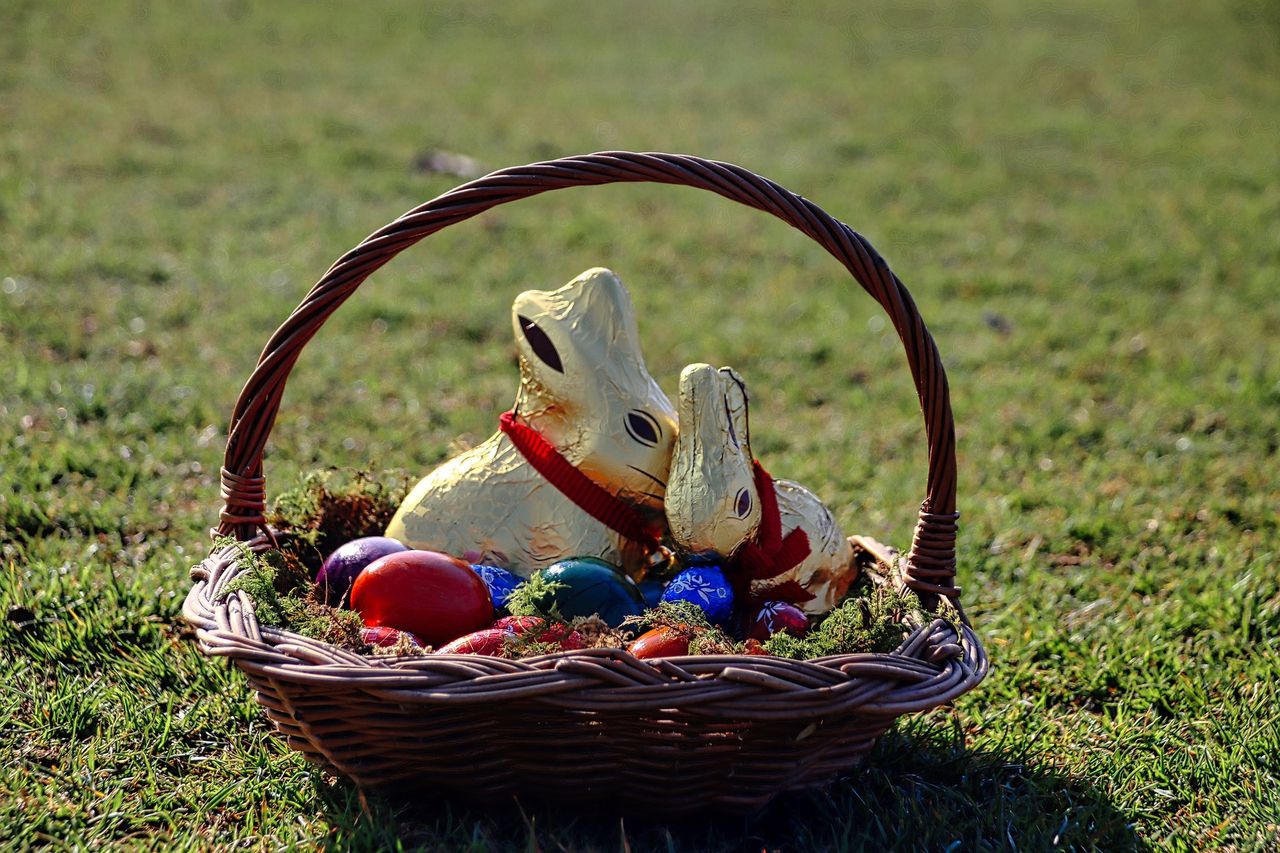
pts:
pixel 919 790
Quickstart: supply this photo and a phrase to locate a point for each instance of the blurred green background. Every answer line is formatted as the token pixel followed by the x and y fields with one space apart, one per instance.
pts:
pixel 1082 198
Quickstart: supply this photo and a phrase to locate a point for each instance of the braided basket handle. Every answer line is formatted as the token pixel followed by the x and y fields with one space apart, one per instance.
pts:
pixel 930 568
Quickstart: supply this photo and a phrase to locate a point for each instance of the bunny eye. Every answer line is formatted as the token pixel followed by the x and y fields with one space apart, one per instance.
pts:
pixel 643 428
pixel 541 345
pixel 728 419
pixel 744 503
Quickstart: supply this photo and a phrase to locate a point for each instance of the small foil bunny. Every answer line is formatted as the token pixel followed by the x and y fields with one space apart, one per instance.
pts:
pixel 715 504
pixel 587 408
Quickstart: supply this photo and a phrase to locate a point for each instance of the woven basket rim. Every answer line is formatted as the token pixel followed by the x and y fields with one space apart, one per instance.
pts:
pixel 935 663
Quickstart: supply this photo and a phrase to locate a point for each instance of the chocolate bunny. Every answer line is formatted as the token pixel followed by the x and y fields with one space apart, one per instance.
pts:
pixel 714 504
pixel 585 391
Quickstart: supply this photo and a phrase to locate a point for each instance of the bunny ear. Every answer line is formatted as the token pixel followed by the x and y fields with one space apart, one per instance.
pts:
pixel 736 411
pixel 567 336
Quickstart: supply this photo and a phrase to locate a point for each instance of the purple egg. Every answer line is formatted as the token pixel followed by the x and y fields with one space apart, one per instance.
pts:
pixel 341 567
pixel 777 616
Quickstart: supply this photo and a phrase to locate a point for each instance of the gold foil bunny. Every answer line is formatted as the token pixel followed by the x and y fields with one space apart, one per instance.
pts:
pixel 714 502
pixel 586 395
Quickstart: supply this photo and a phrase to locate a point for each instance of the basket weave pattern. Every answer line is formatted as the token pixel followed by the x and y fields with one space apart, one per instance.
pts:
pixel 663 735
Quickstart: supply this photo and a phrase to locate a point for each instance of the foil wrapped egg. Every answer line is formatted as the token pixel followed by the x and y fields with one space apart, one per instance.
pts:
pixel 777 616
pixel 705 586
pixel 488 641
pixel 387 637
pixel 557 632
pixel 501 583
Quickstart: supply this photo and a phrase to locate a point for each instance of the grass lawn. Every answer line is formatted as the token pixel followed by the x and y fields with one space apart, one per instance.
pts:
pixel 1083 198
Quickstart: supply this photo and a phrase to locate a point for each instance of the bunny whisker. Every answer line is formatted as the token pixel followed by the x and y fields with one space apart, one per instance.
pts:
pixel 651 477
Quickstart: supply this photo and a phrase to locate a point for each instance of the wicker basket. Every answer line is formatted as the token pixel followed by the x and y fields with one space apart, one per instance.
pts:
pixel 662 736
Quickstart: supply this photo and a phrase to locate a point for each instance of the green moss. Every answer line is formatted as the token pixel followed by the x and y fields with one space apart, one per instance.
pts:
pixel 319 621
pixel 873 620
pixel 671 614
pixel 281 599
pixel 536 597
pixel 258 577
pixel 704 639
pixel 332 506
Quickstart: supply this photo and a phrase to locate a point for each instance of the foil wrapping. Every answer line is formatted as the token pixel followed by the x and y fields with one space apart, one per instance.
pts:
pixel 829 569
pixel 713 504
pixel 585 388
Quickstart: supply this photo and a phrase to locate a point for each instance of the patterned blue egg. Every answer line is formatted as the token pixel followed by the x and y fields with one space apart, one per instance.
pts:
pixel 501 583
pixel 706 587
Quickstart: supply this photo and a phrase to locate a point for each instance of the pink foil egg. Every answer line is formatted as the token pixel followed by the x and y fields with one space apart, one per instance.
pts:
pixel 777 616
pixel 386 637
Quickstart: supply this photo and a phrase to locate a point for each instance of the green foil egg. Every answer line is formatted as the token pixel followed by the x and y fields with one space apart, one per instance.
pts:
pixel 590 585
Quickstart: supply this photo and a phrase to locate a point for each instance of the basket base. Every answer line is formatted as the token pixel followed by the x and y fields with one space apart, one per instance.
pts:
pixel 622 762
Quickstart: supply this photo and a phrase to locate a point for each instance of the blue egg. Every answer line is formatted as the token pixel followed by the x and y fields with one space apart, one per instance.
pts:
pixel 705 586
pixel 501 583
pixel 652 592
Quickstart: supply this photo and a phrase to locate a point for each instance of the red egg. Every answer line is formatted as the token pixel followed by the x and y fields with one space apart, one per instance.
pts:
pixel 431 595
pixel 386 637
pixel 662 642
pixel 490 641
pixel 558 632
pixel 777 616
pixel 518 624
pixel 493 641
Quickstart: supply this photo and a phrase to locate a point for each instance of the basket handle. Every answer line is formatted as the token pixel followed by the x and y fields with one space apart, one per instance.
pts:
pixel 930 568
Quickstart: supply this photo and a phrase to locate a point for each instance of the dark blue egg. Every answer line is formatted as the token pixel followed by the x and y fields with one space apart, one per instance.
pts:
pixel 652 592
pixel 705 586
pixel 501 583
pixel 592 586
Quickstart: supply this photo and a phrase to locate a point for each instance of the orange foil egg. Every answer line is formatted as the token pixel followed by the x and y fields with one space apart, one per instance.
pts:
pixel 662 642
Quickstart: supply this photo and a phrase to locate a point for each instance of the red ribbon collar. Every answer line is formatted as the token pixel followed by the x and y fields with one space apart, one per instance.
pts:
pixel 605 507
pixel 772 554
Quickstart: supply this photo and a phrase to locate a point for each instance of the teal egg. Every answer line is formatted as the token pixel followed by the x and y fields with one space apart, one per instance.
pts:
pixel 593 586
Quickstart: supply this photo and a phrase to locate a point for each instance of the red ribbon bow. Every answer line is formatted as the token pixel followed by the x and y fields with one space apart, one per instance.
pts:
pixel 772 554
